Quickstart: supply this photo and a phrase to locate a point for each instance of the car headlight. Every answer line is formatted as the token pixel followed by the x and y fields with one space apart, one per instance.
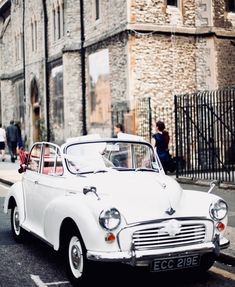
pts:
pixel 218 210
pixel 110 219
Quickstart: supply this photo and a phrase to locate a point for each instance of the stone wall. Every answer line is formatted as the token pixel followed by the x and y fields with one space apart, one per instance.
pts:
pixel 164 66
pixel 113 19
pixel 72 94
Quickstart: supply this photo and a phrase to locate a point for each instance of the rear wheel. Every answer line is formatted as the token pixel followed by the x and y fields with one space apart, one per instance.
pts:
pixel 17 231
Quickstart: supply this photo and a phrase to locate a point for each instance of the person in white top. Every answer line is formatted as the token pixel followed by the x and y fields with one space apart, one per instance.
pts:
pixel 118 128
pixel 2 141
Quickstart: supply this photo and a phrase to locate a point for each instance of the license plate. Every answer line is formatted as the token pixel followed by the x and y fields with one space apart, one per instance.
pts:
pixel 173 263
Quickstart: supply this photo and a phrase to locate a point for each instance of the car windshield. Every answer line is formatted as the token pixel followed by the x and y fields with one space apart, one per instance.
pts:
pixel 102 155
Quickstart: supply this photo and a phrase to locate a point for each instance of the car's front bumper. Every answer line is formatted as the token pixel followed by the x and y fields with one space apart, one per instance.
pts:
pixel 143 257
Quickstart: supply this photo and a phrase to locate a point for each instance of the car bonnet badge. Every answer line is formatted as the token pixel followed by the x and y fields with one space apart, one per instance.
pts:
pixel 170 211
pixel 172 227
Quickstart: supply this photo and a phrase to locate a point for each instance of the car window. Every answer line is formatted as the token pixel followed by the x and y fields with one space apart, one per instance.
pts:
pixel 34 158
pixel 88 157
pixel 120 156
pixel 51 160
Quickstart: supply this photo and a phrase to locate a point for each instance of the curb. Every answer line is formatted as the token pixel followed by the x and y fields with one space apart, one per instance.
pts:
pixel 205 182
pixel 6 181
pixel 226 258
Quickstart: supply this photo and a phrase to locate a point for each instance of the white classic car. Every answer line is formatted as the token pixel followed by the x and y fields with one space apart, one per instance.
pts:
pixel 109 200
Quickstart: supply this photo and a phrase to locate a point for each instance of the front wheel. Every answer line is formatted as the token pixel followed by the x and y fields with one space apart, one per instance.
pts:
pixel 17 232
pixel 76 263
pixel 207 262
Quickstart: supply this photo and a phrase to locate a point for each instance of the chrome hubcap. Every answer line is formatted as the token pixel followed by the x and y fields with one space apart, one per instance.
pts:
pixel 16 220
pixel 76 257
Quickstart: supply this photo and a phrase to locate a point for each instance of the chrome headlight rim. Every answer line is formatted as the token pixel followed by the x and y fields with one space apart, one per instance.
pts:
pixel 110 218
pixel 218 210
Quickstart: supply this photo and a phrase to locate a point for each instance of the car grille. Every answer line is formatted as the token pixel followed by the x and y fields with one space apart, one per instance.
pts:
pixel 155 238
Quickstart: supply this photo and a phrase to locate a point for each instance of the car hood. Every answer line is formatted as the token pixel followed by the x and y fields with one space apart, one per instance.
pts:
pixel 139 196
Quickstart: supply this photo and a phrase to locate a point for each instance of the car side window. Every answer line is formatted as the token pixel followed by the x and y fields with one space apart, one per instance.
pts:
pixel 51 160
pixel 34 158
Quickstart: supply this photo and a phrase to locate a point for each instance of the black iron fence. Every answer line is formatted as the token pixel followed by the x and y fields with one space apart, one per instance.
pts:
pixel 201 127
pixel 205 134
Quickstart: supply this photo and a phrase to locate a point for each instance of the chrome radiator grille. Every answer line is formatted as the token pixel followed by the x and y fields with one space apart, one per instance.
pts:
pixel 157 238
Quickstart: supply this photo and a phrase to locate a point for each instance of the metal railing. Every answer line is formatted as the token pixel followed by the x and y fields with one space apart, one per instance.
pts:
pixel 201 127
pixel 205 134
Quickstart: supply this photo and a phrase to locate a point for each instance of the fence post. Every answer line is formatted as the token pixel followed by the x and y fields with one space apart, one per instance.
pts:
pixel 150 118
pixel 176 138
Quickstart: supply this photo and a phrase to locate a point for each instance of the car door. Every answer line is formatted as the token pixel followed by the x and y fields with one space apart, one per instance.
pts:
pixel 30 185
pixel 49 185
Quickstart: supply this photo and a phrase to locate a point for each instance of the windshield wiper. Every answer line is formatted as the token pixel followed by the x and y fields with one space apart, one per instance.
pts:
pixel 146 169
pixel 100 170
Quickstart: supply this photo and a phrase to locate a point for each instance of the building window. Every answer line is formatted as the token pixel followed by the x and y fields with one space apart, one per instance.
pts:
pixel 34 35
pixel 99 88
pixel 58 21
pixel 230 5
pixel 58 99
pixel 54 24
pixel 97 9
pixel 32 38
pixel 62 19
pixel 172 2
pixel 20 97
pixel 18 46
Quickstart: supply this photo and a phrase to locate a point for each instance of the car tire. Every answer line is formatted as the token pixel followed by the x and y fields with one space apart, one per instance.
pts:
pixel 207 262
pixel 77 265
pixel 17 231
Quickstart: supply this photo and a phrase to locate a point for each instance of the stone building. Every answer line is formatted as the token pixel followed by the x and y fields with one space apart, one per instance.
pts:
pixel 67 66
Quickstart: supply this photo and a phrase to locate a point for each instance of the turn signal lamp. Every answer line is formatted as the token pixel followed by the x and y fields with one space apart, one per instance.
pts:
pixel 110 237
pixel 220 226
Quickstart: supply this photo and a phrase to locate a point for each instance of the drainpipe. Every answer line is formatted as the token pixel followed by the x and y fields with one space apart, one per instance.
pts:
pixel 83 69
pixel 23 49
pixel 46 84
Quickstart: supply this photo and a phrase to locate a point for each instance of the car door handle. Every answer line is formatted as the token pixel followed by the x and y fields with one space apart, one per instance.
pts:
pixel 36 182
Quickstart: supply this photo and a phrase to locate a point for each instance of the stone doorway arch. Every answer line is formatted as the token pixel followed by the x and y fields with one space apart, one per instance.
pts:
pixel 35 111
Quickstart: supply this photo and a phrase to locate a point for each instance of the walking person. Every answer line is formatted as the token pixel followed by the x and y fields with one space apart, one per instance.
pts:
pixel 2 142
pixel 118 128
pixel 12 137
pixel 19 140
pixel 160 141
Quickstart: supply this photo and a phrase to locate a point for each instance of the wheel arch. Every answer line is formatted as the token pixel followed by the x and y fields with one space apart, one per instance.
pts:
pixel 68 225
pixel 15 197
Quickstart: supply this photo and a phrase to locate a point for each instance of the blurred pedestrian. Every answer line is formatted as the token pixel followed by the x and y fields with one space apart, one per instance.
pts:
pixel 160 141
pixel 118 128
pixel 12 137
pixel 19 140
pixel 2 142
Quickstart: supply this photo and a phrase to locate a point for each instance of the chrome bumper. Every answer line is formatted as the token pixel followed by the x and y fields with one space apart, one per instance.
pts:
pixel 134 257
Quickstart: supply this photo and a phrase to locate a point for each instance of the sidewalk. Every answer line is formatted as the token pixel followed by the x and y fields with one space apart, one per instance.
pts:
pixel 9 175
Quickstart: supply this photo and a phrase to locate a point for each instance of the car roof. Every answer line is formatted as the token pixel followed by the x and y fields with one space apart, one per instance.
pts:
pixel 96 137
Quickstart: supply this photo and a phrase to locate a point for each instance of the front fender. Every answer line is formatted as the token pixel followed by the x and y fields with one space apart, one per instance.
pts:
pixel 76 208
pixel 15 195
